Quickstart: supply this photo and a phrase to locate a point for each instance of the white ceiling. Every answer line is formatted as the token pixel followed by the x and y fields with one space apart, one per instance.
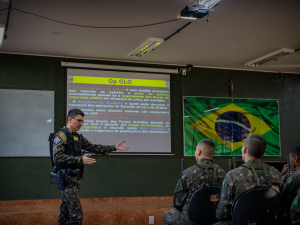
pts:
pixel 255 27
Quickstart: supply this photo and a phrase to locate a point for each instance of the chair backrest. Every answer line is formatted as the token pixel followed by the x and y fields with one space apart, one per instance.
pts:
pixel 260 206
pixel 203 205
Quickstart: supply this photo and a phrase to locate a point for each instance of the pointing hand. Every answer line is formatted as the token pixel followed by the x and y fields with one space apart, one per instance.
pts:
pixel 121 146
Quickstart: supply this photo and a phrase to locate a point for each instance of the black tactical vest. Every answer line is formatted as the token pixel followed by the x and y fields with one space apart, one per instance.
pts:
pixel 73 147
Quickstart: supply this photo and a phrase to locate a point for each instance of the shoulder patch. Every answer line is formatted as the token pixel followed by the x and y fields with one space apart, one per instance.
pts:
pixel 223 183
pixel 63 136
pixel 179 187
pixel 290 180
pixel 56 140
pixel 296 202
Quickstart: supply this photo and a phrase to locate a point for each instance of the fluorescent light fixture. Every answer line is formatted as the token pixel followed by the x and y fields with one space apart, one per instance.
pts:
pixel 270 57
pixel 146 47
pixel 1 34
pixel 186 18
pixel 125 68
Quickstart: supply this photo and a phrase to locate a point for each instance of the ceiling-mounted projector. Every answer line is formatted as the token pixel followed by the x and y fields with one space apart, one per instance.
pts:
pixel 200 9
pixel 194 12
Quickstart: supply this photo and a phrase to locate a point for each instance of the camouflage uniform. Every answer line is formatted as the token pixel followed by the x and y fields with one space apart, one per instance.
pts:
pixel 290 190
pixel 295 210
pixel 189 181
pixel 285 176
pixel 240 180
pixel 71 211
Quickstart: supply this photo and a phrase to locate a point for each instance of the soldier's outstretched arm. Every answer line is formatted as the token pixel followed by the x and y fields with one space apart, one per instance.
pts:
pixel 102 149
pixel 97 149
pixel 223 211
pixel 59 143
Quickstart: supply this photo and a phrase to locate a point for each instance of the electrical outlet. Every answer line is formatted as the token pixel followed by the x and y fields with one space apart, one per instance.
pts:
pixel 184 72
pixel 151 219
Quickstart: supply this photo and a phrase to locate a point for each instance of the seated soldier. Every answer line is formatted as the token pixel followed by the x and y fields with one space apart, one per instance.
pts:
pixel 191 180
pixel 291 188
pixel 294 165
pixel 242 179
pixel 295 210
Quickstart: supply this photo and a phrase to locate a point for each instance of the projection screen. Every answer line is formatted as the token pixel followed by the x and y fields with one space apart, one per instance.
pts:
pixel 129 106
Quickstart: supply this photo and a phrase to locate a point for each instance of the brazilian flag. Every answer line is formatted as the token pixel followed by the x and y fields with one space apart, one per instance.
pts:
pixel 228 122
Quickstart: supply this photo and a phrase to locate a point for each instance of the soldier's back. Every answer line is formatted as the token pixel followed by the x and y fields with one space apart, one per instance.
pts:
pixel 204 173
pixel 196 177
pixel 242 179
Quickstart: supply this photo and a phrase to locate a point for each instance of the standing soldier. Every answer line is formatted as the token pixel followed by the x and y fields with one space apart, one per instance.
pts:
pixel 242 179
pixel 191 180
pixel 67 145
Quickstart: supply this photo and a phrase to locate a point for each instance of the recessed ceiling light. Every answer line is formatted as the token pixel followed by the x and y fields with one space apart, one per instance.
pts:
pixel 56 33
pixel 233 48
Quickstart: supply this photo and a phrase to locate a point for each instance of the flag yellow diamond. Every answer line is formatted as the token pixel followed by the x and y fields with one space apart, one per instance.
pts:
pixel 207 125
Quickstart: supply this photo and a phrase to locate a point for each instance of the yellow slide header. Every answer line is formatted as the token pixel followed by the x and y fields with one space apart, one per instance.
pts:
pixel 118 81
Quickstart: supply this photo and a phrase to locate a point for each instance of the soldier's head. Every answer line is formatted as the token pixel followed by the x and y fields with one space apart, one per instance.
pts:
pixel 295 157
pixel 75 119
pixel 205 148
pixel 254 147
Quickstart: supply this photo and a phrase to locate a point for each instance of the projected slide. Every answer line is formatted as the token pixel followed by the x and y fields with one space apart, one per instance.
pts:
pixel 123 106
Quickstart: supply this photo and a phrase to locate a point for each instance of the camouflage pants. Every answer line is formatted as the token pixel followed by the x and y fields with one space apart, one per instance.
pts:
pixel 70 209
pixel 176 217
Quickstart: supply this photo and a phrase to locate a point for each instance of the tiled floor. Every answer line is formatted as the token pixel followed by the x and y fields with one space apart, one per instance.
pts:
pixel 105 211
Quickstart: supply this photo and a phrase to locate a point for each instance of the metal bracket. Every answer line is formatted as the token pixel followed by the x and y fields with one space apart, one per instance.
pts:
pixel 7 20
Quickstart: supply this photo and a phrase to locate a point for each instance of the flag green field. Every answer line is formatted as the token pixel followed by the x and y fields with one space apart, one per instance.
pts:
pixel 227 122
